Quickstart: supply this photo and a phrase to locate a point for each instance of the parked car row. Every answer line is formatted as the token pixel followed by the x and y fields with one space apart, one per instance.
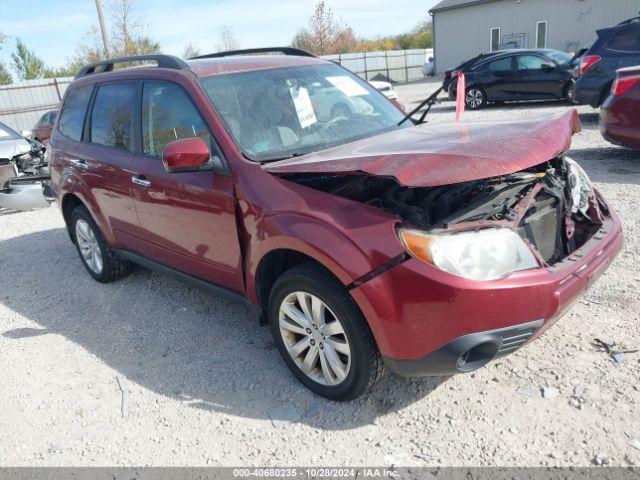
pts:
pixel 605 74
pixel 513 75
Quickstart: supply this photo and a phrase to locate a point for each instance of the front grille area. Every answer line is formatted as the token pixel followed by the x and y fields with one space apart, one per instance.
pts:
pixel 515 337
pixel 542 227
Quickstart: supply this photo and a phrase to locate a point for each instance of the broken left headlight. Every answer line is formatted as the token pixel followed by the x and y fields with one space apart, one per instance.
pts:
pixel 488 254
pixel 580 187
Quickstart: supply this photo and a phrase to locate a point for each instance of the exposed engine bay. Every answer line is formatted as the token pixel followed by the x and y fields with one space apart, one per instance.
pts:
pixel 25 179
pixel 552 206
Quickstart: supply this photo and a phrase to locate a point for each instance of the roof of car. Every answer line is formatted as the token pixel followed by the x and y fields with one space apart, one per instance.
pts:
pixel 203 66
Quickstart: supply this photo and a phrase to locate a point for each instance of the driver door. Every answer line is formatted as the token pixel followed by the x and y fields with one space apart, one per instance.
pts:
pixel 535 81
pixel 187 219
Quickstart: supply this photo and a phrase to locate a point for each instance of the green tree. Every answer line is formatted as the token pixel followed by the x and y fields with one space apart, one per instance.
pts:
pixel 127 37
pixel 5 76
pixel 26 64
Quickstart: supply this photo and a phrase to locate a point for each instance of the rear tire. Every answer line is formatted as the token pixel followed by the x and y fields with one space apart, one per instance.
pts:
pixel 360 365
pixel 95 253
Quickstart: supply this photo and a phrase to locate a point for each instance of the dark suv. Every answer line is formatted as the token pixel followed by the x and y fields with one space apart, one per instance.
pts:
pixel 289 184
pixel 617 47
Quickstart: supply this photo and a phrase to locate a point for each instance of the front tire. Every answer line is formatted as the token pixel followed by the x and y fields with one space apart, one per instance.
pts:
pixel 95 253
pixel 321 334
pixel 476 98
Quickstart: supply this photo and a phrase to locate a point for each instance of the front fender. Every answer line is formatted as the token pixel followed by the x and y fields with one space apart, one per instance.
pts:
pixel 348 255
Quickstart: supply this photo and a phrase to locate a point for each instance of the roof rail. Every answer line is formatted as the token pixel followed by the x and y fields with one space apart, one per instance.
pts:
pixel 164 61
pixel 251 51
pixel 631 20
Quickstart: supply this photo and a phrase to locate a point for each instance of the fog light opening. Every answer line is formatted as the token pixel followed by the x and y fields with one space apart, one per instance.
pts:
pixel 477 357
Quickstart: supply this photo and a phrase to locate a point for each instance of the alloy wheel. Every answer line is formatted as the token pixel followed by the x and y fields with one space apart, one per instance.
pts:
pixel 314 338
pixel 474 98
pixel 89 246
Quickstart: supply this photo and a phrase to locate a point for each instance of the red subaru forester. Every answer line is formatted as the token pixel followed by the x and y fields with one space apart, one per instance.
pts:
pixel 363 239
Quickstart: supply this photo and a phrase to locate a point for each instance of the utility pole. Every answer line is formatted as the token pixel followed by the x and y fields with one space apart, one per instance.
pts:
pixel 103 29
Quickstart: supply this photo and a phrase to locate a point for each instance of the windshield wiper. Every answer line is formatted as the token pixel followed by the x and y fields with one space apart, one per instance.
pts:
pixel 277 159
pixel 433 98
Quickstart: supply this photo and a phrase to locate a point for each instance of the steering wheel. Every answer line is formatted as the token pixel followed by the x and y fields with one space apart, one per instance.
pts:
pixel 334 122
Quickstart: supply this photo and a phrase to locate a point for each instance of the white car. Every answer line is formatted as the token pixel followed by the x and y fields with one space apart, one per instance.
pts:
pixel 330 103
pixel 386 88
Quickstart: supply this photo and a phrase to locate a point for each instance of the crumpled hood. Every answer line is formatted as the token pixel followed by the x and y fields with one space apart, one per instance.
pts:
pixel 13 147
pixel 433 155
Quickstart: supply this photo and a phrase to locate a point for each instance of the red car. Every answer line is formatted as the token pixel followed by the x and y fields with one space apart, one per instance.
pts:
pixel 620 113
pixel 42 129
pixel 363 240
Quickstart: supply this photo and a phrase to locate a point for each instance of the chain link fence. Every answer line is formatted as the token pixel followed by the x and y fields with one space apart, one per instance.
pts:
pixel 22 104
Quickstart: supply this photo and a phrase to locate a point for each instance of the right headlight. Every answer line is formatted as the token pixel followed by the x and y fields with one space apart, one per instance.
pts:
pixel 487 254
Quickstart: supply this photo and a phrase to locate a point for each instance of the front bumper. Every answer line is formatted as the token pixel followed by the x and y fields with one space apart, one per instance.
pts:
pixel 424 318
pixel 466 353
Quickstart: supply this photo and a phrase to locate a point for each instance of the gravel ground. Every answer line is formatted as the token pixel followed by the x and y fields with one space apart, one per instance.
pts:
pixel 149 371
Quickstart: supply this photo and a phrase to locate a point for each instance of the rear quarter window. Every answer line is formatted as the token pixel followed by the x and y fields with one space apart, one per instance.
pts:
pixel 74 111
pixel 625 40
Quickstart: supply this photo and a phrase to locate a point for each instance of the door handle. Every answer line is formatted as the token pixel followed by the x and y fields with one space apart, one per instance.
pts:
pixel 79 163
pixel 140 180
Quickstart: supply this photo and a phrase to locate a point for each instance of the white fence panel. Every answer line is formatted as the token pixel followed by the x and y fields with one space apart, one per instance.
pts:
pixel 23 103
pixel 396 66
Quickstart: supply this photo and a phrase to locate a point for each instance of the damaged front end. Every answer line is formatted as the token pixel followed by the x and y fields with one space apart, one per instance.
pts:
pixel 484 229
pixel 25 180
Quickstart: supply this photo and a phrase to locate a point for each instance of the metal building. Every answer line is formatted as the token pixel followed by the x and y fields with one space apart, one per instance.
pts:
pixel 465 28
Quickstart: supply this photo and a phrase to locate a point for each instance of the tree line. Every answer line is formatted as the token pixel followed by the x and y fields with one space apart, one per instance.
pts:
pixel 324 35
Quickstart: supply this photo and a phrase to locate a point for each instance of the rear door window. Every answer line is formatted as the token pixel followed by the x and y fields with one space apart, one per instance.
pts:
pixel 74 111
pixel 111 117
pixel 502 65
pixel 167 115
pixel 625 40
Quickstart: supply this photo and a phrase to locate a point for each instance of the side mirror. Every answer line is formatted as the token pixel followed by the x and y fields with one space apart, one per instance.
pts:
pixel 547 67
pixel 26 133
pixel 187 154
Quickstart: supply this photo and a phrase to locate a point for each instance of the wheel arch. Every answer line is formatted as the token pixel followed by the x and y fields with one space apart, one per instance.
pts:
pixel 272 265
pixel 69 203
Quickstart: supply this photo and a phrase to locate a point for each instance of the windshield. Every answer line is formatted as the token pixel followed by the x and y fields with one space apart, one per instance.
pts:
pixel 559 57
pixel 7 134
pixel 285 112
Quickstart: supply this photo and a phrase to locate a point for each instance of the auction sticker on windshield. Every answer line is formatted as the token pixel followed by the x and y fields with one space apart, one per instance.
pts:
pixel 304 108
pixel 348 86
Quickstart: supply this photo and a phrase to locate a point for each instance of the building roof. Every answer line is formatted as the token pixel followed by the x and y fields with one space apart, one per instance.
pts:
pixel 449 4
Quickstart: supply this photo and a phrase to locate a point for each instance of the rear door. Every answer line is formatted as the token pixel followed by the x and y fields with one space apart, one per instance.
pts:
pixel 496 78
pixel 187 218
pixel 538 77
pixel 104 158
